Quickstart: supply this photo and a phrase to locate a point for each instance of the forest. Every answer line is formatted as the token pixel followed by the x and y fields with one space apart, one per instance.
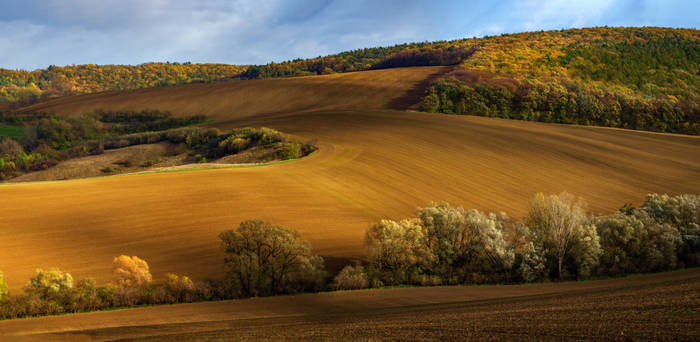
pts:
pixel 647 79
pixel 20 88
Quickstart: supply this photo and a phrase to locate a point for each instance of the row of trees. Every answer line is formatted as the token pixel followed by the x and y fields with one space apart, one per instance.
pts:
pixel 54 291
pixel 262 260
pixel 563 102
pixel 556 240
pixel 405 55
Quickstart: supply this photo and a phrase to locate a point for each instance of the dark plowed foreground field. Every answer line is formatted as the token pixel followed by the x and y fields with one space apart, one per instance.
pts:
pixel 658 307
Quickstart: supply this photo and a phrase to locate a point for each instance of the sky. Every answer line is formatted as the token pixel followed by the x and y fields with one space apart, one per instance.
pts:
pixel 38 33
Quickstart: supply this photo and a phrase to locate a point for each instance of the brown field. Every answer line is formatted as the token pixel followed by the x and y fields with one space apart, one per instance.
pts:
pixel 372 163
pixel 657 307
pixel 381 89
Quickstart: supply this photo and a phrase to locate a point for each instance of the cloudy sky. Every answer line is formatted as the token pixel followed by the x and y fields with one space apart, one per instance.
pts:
pixel 38 33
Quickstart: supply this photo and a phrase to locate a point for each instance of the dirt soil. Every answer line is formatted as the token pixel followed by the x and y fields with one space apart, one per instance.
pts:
pixel 658 307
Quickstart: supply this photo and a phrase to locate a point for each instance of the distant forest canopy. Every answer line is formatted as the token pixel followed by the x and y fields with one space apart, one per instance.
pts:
pixel 638 78
pixel 21 88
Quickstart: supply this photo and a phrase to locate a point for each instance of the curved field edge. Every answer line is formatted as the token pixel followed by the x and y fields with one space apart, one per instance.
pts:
pixel 179 168
pixel 226 319
pixel 370 165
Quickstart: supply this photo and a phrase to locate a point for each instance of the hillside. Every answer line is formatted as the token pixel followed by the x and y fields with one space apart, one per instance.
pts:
pixel 20 87
pixel 637 78
pixel 380 89
pixel 370 164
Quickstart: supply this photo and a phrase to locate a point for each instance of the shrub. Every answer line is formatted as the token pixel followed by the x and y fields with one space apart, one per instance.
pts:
pixel 131 271
pixel 290 150
pixel 234 144
pixel 10 147
pixel 87 297
pixel 3 287
pixel 351 278
pixel 265 259
pixel 180 288
pixel 49 284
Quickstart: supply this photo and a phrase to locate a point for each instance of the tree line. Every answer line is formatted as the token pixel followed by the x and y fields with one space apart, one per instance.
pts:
pixel 442 245
pixel 563 101
pixel 21 88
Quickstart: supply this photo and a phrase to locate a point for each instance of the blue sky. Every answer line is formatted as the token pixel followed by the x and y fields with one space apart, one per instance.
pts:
pixel 38 33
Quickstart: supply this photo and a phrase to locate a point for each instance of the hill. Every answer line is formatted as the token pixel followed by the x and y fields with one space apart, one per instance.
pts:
pixel 371 164
pixel 639 78
pixel 20 87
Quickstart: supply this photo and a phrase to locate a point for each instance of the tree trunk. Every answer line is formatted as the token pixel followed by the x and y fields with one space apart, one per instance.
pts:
pixel 560 260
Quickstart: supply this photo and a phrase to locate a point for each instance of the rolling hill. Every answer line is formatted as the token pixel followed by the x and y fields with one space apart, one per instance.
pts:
pixel 373 163
pixel 645 78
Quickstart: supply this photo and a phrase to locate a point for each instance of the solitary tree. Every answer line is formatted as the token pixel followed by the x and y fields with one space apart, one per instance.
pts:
pixel 131 271
pixel 264 259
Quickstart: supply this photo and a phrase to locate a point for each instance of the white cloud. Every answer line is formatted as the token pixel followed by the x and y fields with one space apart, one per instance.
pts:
pixel 36 33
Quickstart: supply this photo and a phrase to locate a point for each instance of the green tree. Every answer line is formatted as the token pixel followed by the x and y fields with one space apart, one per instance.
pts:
pixel 398 251
pixel 635 243
pixel 49 284
pixel 265 259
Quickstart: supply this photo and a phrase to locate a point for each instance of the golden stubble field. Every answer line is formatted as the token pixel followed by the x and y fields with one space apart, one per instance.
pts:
pixel 372 164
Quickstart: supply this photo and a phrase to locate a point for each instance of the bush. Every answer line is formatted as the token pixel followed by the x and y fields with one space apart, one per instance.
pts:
pixel 49 284
pixel 131 271
pixel 180 288
pixel 351 278
pixel 234 144
pixel 265 259
pixel 10 147
pixel 3 287
pixel 290 150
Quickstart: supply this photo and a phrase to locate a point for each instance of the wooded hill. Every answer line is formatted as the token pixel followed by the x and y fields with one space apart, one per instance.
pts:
pixel 19 87
pixel 640 78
